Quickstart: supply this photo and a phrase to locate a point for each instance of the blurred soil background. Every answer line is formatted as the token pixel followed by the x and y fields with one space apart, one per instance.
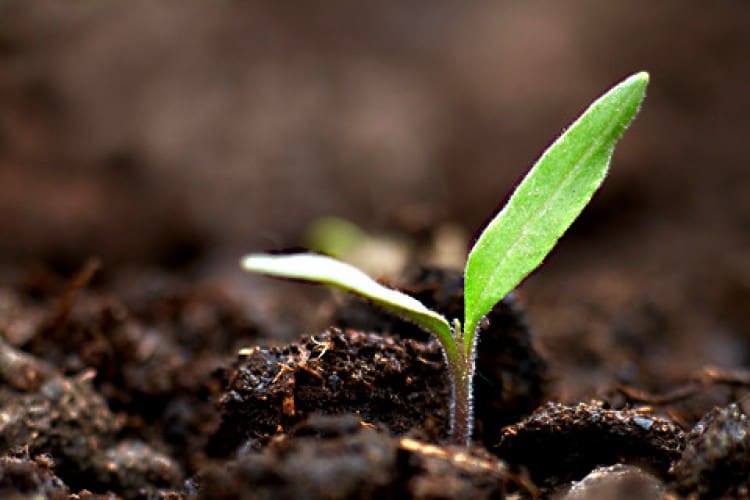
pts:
pixel 174 136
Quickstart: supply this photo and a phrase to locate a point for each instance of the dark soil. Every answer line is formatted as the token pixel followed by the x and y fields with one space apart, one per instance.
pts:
pixel 168 138
pixel 171 391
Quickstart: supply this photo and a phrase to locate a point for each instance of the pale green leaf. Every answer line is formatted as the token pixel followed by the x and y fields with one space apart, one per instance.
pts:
pixel 547 201
pixel 326 270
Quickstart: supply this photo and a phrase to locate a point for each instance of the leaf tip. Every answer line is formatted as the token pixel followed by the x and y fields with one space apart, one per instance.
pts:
pixel 642 76
pixel 638 80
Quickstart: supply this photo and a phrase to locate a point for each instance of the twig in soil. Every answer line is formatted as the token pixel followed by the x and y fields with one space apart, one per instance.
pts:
pixel 639 396
pixel 283 369
pixel 325 346
pixel 469 462
pixel 707 376
pixel 312 372
pixel 712 374
pixel 79 281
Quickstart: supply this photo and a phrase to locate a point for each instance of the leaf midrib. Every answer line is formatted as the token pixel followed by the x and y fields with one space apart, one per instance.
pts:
pixel 545 207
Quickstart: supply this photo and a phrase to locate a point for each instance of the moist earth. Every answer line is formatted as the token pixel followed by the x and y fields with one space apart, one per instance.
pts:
pixel 173 390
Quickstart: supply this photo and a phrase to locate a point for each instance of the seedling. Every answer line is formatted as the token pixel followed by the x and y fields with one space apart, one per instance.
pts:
pixel 543 206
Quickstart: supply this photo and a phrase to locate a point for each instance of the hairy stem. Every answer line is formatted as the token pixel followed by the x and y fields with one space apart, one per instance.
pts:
pixel 460 363
pixel 462 411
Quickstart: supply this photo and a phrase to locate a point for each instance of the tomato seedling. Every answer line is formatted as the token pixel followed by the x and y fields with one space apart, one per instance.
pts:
pixel 543 206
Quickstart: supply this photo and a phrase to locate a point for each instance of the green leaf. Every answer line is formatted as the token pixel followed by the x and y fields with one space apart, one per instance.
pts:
pixel 329 271
pixel 547 202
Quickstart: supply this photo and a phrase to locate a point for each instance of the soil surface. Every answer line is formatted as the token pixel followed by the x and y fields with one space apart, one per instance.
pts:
pixel 173 391
pixel 166 139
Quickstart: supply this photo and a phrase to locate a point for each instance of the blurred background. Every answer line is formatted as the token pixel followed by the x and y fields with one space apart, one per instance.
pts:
pixel 178 135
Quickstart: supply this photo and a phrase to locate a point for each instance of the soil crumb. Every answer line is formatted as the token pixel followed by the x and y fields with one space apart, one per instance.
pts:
pixel 559 443
pixel 716 459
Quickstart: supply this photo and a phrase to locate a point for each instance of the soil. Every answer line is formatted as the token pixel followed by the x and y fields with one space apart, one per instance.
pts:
pixel 168 138
pixel 172 391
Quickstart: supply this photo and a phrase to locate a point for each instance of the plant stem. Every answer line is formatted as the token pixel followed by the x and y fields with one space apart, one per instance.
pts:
pixel 462 418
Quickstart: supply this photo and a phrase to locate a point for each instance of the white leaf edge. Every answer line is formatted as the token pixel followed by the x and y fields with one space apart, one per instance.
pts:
pixel 326 270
